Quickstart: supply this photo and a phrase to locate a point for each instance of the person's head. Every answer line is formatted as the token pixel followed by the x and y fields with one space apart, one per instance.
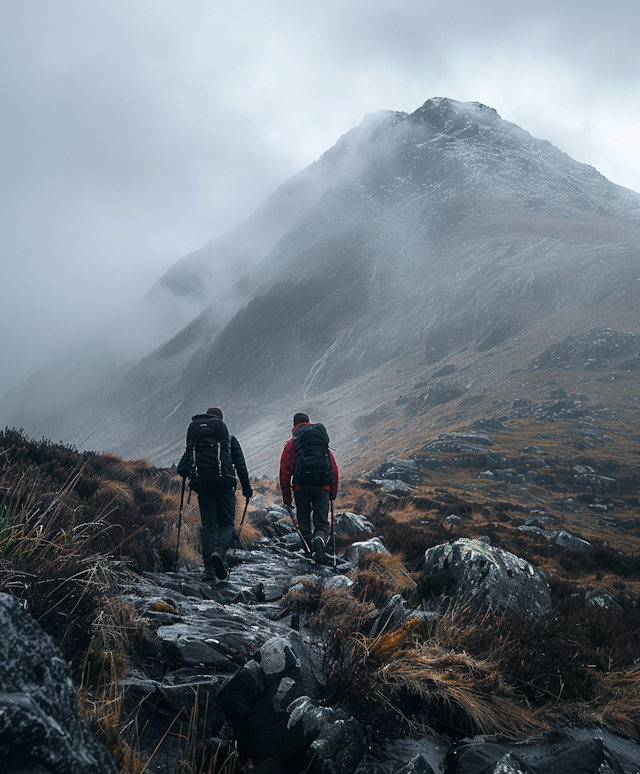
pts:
pixel 300 417
pixel 216 412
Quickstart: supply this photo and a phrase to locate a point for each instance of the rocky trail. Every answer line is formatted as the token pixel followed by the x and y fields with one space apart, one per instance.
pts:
pixel 241 668
pixel 236 679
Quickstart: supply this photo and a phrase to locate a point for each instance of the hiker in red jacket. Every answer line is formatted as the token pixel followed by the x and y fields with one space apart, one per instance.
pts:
pixel 307 459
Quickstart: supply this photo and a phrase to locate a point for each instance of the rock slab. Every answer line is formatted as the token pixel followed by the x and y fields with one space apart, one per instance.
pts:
pixel 40 726
pixel 471 572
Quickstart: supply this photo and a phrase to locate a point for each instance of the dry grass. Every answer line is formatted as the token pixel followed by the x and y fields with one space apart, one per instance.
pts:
pixel 407 679
pixel 390 567
pixel 460 693
pixel 304 596
pixel 250 534
pixel 617 705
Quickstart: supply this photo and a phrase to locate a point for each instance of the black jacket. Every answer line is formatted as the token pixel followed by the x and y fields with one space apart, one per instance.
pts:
pixel 235 452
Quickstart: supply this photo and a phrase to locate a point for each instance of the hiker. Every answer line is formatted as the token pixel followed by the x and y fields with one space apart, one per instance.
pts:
pixel 209 460
pixel 307 459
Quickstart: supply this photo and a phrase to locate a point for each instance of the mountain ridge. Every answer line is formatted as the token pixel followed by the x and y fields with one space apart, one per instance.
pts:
pixel 444 231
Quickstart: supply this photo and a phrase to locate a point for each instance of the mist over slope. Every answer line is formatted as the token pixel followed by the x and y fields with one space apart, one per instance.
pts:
pixel 447 233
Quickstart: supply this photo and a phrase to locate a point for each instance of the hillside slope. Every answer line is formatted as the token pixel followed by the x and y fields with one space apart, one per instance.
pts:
pixel 447 236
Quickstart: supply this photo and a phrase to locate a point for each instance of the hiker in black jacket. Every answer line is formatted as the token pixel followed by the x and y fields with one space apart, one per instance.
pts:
pixel 211 460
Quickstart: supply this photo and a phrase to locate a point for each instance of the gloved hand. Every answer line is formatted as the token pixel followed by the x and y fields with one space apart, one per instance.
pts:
pixel 247 493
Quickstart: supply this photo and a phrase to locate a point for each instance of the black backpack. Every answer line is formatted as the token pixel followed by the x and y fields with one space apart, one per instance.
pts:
pixel 208 446
pixel 312 463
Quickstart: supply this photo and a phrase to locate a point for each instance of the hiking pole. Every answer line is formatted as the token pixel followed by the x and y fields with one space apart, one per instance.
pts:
pixel 333 538
pixel 296 525
pixel 237 540
pixel 184 484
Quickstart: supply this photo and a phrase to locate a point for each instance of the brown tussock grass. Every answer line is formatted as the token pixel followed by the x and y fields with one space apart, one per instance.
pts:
pixel 118 635
pixel 340 612
pixel 118 493
pixel 391 567
pixel 307 598
pixel 467 694
pixel 617 706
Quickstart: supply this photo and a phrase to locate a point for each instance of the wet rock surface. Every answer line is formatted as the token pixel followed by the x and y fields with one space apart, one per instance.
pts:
pixel 40 726
pixel 471 572
pixel 239 667
pixel 579 751
pixel 593 350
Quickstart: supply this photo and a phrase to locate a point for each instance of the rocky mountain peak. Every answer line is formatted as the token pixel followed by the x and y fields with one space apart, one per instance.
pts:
pixel 440 111
pixel 443 231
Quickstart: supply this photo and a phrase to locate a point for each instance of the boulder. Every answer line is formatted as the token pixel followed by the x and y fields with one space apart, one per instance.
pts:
pixel 602 598
pixel 598 484
pixel 334 738
pixel 357 551
pixel 471 572
pixel 393 615
pixel 393 485
pixel 396 469
pixel 429 462
pixel 572 543
pixel 577 751
pixel 40 726
pixel 256 699
pixel 348 524
pixel 444 371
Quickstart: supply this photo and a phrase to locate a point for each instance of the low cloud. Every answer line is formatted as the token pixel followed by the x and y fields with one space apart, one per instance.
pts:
pixel 136 132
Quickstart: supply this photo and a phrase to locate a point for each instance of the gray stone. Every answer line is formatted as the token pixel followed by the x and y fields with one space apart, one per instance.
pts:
pixel 472 572
pixel 276 657
pixel 601 598
pixel 335 739
pixel 588 751
pixel 429 462
pixel 40 726
pixel 357 551
pixel 475 438
pixel 348 524
pixel 598 484
pixel 572 543
pixel 338 748
pixel 394 485
pixel 338 582
pixel 534 450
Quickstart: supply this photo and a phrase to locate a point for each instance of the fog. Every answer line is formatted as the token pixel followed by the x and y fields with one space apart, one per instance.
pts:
pixel 133 133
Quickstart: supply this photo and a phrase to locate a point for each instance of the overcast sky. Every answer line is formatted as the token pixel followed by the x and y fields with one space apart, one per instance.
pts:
pixel 133 131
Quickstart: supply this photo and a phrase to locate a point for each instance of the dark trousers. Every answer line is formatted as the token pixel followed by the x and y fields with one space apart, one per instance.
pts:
pixel 217 510
pixel 312 505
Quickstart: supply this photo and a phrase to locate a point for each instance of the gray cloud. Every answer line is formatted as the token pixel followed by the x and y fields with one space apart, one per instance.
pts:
pixel 135 132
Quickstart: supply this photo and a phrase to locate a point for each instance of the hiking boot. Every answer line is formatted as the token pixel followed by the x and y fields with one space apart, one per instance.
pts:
pixel 317 546
pixel 326 561
pixel 209 571
pixel 219 566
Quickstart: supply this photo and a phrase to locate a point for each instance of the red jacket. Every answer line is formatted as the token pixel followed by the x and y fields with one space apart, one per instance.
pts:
pixel 287 462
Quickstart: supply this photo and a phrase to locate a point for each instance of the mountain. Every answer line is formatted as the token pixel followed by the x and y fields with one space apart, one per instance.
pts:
pixel 185 308
pixel 445 237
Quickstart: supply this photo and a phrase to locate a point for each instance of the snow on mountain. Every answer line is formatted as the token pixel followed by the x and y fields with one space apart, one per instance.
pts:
pixel 416 238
